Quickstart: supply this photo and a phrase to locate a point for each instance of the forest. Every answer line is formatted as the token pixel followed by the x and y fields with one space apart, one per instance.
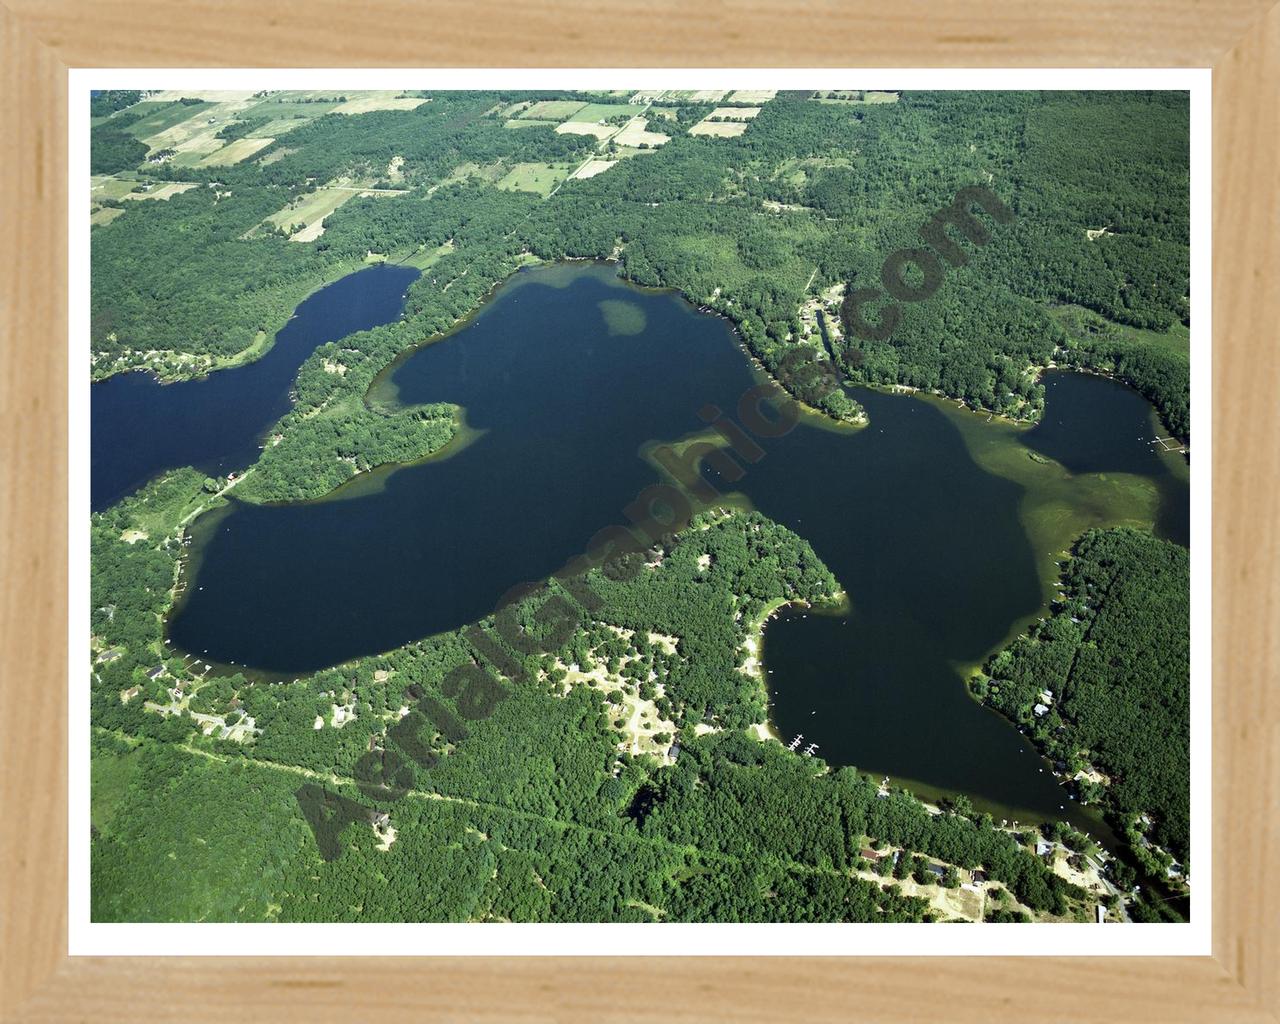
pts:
pixel 1114 658
pixel 531 813
pixel 540 811
pixel 1098 184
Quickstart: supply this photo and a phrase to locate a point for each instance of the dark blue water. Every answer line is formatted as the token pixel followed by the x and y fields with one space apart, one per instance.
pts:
pixel 930 546
pixel 563 408
pixel 140 427
pixel 1096 425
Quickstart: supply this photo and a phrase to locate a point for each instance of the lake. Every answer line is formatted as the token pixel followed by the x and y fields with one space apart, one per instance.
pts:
pixel 140 427
pixel 939 523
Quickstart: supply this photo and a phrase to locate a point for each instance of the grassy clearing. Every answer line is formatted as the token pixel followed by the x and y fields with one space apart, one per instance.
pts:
pixel 523 123
pixel 797 170
pixel 591 112
pixel 276 154
pixel 106 186
pixel 485 172
pixel 539 178
pixel 104 215
pixel 233 153
pixel 752 96
pixel 304 217
pixel 162 191
pixel 426 257
pixel 552 110
pixel 1081 322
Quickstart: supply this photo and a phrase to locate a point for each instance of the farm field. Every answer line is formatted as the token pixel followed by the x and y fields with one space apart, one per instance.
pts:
pixel 856 96
pixel 196 137
pixel 636 133
pixel 442 395
pixel 389 100
pixel 600 131
pixel 734 113
pixel 164 117
pixel 591 168
pixel 162 190
pixel 591 112
pixel 234 152
pixel 719 129
pixel 106 186
pixel 104 215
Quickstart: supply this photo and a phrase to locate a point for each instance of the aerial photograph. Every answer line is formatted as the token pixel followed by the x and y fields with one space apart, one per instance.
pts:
pixel 639 506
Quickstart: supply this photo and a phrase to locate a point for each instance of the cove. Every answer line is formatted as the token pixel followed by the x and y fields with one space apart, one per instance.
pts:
pixel 940 526
pixel 140 427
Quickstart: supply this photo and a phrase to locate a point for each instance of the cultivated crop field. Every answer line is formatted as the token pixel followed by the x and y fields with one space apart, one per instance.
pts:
pixel 234 152
pixel 752 96
pixel 636 133
pixel 166 116
pixel 734 113
pixel 591 168
pixel 162 191
pixel 387 100
pixel 604 111
pixel 106 186
pixel 719 129
pixel 600 131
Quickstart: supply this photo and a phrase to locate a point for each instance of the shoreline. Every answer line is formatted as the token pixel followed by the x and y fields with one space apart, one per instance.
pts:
pixel 753 665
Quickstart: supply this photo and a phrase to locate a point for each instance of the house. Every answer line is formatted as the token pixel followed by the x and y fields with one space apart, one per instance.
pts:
pixel 1101 912
pixel 979 876
pixel 1043 848
pixel 1046 696
pixel 673 751
pixel 1040 710
pixel 156 673
pixel 869 854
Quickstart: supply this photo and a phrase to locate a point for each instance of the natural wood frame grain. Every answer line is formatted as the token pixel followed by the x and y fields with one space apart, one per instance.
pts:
pixel 40 39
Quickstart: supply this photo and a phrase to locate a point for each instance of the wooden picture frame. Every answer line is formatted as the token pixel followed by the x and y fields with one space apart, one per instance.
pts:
pixel 41 39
